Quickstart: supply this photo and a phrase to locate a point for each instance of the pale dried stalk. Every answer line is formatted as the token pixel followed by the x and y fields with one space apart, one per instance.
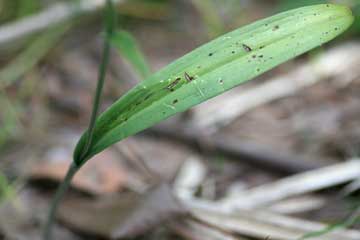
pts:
pixel 294 185
pixel 55 14
pixel 262 224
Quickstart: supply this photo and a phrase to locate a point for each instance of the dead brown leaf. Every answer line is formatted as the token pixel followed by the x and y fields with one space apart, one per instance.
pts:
pixel 158 206
pixel 102 174
pixel 122 215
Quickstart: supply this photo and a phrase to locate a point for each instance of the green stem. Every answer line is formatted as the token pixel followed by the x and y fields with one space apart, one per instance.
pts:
pixel 110 25
pixel 57 199
pixel 99 87
pixel 75 166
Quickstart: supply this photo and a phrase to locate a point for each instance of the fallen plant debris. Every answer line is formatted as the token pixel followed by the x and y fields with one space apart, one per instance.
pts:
pixel 103 175
pixel 275 159
pixel 123 215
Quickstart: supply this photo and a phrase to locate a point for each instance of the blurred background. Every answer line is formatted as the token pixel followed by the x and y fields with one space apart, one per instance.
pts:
pixel 303 116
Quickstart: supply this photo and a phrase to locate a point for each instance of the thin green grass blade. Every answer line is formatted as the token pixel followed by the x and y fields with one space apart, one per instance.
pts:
pixel 10 125
pixel 127 45
pixel 214 68
pixel 27 59
pixel 26 8
pixel 7 190
pixel 210 16
pixel 352 220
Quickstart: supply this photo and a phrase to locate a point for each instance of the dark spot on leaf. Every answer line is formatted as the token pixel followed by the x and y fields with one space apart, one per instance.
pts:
pixel 261 56
pixel 147 97
pixel 276 28
pixel 175 101
pixel 247 48
pixel 253 56
pixel 261 47
pixel 173 84
pixel 210 54
pixel 188 77
pixel 233 52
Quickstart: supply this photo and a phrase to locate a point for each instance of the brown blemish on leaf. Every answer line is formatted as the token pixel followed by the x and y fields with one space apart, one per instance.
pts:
pixel 247 48
pixel 173 84
pixel 148 96
pixel 188 77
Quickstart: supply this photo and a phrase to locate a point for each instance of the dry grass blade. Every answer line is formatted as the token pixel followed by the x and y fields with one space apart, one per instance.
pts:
pixel 56 14
pixel 261 224
pixel 295 185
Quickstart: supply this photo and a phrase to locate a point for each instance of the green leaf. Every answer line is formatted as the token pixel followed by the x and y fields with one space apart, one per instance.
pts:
pixel 215 68
pixel 31 56
pixel 210 16
pixel 129 49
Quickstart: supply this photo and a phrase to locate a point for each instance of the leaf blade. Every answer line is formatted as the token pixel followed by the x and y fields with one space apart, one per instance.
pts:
pixel 212 69
pixel 127 45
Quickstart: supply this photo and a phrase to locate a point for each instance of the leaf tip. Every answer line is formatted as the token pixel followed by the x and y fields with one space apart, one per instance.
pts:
pixel 344 12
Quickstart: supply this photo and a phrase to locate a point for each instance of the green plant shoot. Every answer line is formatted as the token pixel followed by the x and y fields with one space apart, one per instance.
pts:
pixel 127 45
pixel 214 68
